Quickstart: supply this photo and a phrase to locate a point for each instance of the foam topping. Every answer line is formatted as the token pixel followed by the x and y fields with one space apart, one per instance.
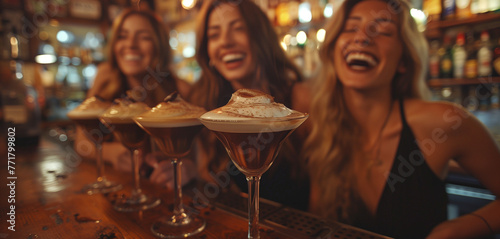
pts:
pixel 92 107
pixel 125 109
pixel 250 104
pixel 173 108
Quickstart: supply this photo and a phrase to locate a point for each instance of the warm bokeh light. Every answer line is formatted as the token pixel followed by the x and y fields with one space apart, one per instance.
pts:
pixel 320 35
pixel 188 4
pixel 283 45
pixel 305 14
pixel 286 39
pixel 328 11
pixel 301 37
pixel 419 17
pixel 282 15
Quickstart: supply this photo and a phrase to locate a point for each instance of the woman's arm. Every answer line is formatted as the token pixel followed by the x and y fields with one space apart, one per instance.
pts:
pixel 473 147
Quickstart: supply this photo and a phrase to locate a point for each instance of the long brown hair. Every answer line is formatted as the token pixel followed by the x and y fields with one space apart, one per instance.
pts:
pixel 273 63
pixel 160 81
pixel 331 144
pixel 212 90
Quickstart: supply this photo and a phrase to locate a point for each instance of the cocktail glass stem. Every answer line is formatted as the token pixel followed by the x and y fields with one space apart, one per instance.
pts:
pixel 253 207
pixel 179 214
pixel 100 164
pixel 136 191
pixel 137 201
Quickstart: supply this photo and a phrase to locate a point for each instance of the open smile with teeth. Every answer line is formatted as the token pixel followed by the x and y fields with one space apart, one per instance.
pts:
pixel 130 57
pixel 360 61
pixel 233 57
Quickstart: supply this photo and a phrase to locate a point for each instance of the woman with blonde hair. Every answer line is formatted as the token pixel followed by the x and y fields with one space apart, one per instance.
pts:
pixel 237 48
pixel 378 152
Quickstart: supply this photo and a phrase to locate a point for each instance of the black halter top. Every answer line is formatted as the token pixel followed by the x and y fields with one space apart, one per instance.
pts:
pixel 414 199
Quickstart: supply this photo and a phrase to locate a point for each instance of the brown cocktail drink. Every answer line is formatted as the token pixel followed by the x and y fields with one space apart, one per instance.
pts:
pixel 173 124
pixel 252 128
pixel 86 115
pixel 249 159
pixel 173 138
pixel 119 120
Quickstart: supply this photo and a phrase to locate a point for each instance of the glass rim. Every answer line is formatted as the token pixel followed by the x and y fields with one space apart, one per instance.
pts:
pixel 261 119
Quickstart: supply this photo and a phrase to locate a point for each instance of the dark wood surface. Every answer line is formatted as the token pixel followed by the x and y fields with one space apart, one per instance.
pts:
pixel 49 204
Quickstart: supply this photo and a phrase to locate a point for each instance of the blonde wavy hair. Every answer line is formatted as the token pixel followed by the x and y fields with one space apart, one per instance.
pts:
pixel 331 145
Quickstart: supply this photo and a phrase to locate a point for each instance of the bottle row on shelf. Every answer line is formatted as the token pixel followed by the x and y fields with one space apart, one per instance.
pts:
pixel 458 9
pixel 473 97
pixel 469 57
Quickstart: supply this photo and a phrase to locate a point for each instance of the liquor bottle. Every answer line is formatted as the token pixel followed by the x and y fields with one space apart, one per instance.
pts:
pixel 471 62
pixel 448 9
pixel 483 96
pixel 483 6
pixel 20 106
pixel 474 7
pixel 459 56
pixel 493 5
pixel 471 102
pixel 495 97
pixel 484 56
pixel 432 8
pixel 445 56
pixel 463 9
pixel 496 58
pixel 434 60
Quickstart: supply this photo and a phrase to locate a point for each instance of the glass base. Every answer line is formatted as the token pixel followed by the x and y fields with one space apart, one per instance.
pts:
pixel 136 203
pixel 103 186
pixel 167 228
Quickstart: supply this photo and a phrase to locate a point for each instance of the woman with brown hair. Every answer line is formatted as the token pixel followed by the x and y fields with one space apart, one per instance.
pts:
pixel 378 152
pixel 139 59
pixel 237 48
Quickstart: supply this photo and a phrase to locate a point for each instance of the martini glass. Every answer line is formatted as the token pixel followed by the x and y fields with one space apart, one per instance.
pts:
pixel 97 133
pixel 252 145
pixel 134 139
pixel 174 138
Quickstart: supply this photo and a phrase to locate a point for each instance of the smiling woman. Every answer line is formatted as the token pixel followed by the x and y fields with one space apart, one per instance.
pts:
pixel 367 153
pixel 238 48
pixel 139 59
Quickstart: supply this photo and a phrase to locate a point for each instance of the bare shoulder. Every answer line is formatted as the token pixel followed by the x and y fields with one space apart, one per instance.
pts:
pixel 301 96
pixel 430 115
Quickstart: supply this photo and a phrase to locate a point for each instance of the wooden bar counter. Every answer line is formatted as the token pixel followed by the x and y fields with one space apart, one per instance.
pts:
pixel 46 185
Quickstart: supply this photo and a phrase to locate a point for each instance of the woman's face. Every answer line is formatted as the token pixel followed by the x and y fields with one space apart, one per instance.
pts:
pixel 368 50
pixel 229 44
pixel 134 48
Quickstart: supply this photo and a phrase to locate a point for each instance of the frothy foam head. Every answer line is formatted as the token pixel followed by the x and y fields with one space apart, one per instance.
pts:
pixel 123 110
pixel 91 108
pixel 173 112
pixel 252 111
